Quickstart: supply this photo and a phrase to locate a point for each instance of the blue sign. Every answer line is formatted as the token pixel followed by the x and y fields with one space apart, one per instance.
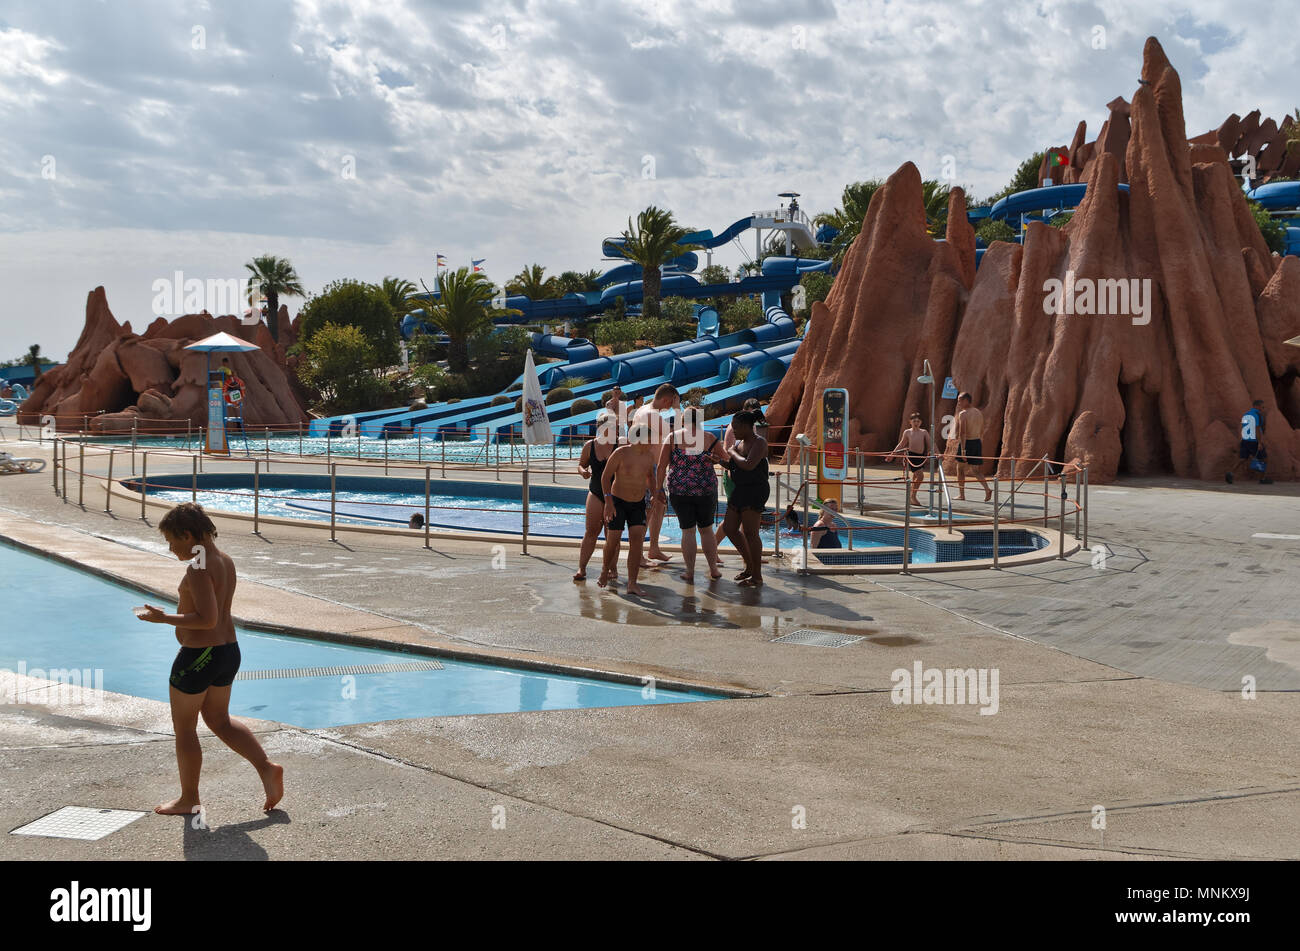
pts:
pixel 949 389
pixel 216 441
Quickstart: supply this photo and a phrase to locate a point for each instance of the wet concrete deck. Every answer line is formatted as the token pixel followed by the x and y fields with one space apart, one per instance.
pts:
pixel 1120 686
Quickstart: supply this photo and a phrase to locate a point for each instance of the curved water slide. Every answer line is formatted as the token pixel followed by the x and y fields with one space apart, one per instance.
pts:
pixel 1282 197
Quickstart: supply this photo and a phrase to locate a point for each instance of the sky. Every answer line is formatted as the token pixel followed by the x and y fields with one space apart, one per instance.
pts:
pixel 142 139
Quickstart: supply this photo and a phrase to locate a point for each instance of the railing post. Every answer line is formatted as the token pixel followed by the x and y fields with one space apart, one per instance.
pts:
pixel 385 455
pixel 134 424
pixel 1061 528
pixel 443 442
pixel 267 454
pixel 300 439
pixel 780 518
pixel 487 435
pixel 328 446
pixel 1077 500
pixel 189 433
pixel 419 448
pixel 1084 501
pixel 81 472
pixel 1046 505
pixel 194 478
pixel 995 519
pixel 1013 488
pixel 525 506
pixel 54 470
pixel 426 506
pixel 861 477
pixel 805 519
pixel 333 482
pixel 554 475
pixel 65 472
pixel 108 484
pixel 907 522
pixel 358 441
pixel 257 479
pixel 144 483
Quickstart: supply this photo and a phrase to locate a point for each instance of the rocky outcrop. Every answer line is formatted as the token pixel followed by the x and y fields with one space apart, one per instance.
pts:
pixel 119 380
pixel 1158 388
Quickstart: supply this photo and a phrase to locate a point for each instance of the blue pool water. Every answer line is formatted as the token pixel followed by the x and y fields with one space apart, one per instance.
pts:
pixel 59 617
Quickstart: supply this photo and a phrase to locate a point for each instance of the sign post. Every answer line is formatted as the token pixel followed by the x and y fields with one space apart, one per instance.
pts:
pixel 216 442
pixel 831 462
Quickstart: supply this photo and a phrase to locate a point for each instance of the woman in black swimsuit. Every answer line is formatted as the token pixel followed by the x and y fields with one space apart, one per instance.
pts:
pixel 595 453
pixel 748 462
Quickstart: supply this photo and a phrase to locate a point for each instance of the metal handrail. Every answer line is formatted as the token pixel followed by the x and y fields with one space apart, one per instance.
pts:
pixel 943 483
pixel 1015 485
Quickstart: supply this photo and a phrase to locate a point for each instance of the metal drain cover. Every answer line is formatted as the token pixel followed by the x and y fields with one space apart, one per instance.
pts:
pixel 812 638
pixel 289 672
pixel 79 822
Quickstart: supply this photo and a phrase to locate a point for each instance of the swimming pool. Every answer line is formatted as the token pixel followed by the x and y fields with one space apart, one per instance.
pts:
pixel 58 617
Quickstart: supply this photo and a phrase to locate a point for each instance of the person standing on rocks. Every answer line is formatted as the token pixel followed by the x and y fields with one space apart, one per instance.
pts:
pixel 970 445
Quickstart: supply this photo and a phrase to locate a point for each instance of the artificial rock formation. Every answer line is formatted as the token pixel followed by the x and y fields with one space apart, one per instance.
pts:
pixel 1121 394
pixel 120 380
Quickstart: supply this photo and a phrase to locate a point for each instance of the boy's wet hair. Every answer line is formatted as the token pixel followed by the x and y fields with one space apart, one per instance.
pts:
pixel 916 416
pixel 666 389
pixel 964 396
pixel 745 418
pixel 187 519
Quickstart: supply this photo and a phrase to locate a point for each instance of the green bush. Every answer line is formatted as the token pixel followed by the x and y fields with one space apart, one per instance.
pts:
pixel 425 348
pixel 499 400
pixel 1273 230
pixel 517 385
pixel 338 366
pixel 354 304
pixel 995 230
pixel 741 313
pixel 676 309
pixel 740 376
pixel 581 406
pixel 1061 218
pixel 571 381
pixel 694 396
pixel 435 380
pixel 559 394
pixel 816 286
pixel 618 335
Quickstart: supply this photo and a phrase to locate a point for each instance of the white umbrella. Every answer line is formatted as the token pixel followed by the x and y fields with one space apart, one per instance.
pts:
pixel 218 343
pixel 537 425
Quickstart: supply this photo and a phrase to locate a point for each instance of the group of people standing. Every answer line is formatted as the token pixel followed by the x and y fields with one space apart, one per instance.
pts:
pixel 663 455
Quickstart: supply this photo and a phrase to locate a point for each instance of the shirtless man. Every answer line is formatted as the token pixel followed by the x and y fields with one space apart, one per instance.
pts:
pixel 970 447
pixel 629 475
pixel 650 418
pixel 208 660
pixel 915 444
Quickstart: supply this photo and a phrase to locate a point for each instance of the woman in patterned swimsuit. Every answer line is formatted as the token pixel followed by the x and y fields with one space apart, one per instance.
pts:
pixel 687 459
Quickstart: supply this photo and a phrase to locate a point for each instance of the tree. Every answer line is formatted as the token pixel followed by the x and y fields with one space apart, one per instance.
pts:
pixel 349 303
pixel 271 277
pixel 1273 231
pixel 995 229
pixel 34 360
pixel 460 311
pixel 339 365
pixel 398 290
pixel 577 282
pixel 847 218
pixel 816 286
pixel 651 242
pixel 531 283
pixel 715 274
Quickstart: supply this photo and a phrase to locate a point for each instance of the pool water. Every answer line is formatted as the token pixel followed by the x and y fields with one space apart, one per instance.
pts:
pixel 57 617
pixel 461 512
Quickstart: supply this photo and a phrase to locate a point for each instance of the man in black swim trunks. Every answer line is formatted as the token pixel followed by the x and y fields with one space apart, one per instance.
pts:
pixel 970 445
pixel 916 444
pixel 629 475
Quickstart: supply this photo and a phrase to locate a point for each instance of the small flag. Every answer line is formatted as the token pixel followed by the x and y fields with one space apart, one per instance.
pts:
pixel 537 425
pixel 442 261
pixel 476 264
pixel 1058 157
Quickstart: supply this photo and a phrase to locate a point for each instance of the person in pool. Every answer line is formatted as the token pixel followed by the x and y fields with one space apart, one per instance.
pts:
pixel 208 660
pixel 823 533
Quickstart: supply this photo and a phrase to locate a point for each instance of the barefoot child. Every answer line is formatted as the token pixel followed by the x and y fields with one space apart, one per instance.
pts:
pixel 629 475
pixel 208 659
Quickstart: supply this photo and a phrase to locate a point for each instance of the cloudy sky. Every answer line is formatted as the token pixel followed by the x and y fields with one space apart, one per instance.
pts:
pixel 358 138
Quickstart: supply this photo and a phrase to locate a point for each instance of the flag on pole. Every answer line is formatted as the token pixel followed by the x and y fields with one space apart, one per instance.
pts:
pixel 476 264
pixel 442 261
pixel 537 425
pixel 1057 157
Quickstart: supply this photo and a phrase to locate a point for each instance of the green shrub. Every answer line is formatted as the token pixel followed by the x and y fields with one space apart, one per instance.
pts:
pixel 425 348
pixel 816 286
pixel 741 313
pixel 559 394
pixel 619 335
pixel 740 376
pixel 499 400
pixel 1273 230
pixel 338 366
pixel 1060 218
pixel 676 309
pixel 435 380
pixel 995 230
pixel 354 304
pixel 571 381
pixel 694 396
pixel 581 406
pixel 517 385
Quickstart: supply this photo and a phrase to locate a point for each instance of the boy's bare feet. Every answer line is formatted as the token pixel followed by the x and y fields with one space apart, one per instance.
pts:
pixel 273 782
pixel 634 588
pixel 606 576
pixel 688 578
pixel 177 807
pixel 579 576
pixel 988 494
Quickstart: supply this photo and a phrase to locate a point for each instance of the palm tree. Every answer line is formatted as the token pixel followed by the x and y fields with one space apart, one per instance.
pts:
pixel 531 283
pixel 847 219
pixel 271 277
pixel 34 360
pixel 651 242
pixel 576 282
pixel 397 290
pixel 460 312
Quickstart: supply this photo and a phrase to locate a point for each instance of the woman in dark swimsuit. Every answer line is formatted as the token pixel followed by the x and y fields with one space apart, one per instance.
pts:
pixel 595 453
pixel 748 498
pixel 686 462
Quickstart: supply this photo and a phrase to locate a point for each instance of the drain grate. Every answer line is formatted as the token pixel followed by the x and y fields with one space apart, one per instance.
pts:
pixel 292 672
pixel 79 822
pixel 812 638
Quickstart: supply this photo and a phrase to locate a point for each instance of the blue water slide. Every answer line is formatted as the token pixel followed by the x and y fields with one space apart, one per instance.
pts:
pixel 707 322
pixel 672 285
pixel 1038 199
pixel 575 350
pixel 1277 196
pixel 707 239
pixel 1292 241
